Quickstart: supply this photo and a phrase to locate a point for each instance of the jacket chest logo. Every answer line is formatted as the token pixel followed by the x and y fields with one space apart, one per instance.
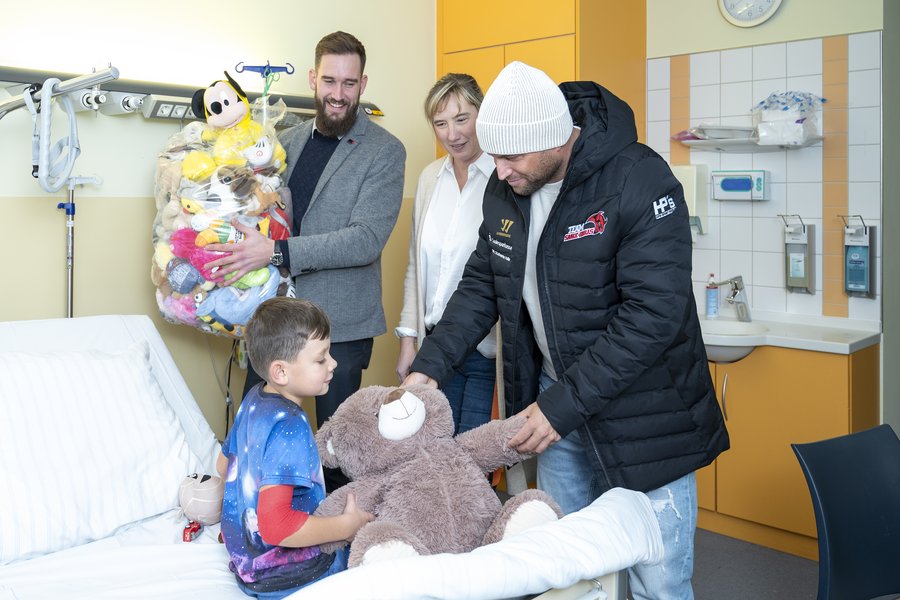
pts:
pixel 505 225
pixel 593 225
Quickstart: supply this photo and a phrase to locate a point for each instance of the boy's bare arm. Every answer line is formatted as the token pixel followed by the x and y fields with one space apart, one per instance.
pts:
pixel 222 465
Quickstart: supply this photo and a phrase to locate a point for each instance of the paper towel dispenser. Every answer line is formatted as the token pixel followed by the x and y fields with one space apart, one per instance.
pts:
pixel 695 182
pixel 739 185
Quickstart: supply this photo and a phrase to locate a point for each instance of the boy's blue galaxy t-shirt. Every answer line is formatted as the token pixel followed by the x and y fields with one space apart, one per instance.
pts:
pixel 271 443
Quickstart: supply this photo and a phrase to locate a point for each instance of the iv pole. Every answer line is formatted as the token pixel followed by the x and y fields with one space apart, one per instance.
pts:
pixel 52 175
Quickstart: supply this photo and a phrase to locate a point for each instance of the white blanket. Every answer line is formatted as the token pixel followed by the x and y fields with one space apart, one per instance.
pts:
pixel 616 531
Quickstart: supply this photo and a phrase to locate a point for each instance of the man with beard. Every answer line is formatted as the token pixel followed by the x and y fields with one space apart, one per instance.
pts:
pixel 345 174
pixel 584 254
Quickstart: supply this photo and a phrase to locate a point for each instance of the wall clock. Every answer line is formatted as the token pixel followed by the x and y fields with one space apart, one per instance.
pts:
pixel 748 13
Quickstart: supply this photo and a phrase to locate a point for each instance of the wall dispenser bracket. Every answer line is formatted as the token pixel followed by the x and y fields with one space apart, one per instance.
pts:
pixel 798 264
pixel 859 256
pixel 693 179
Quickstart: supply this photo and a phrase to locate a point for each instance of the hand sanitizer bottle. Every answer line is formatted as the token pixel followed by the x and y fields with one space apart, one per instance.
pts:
pixel 712 298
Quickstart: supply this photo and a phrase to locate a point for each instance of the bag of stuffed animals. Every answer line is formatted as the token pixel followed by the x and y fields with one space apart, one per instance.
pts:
pixel 212 172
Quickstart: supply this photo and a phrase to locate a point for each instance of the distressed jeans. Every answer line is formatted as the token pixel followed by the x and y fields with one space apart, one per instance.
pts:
pixel 564 472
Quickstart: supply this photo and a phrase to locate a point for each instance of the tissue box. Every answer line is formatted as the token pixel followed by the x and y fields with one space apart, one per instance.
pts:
pixel 787 132
pixel 787 118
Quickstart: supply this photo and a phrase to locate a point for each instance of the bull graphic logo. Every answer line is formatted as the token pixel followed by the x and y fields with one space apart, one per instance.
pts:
pixel 593 225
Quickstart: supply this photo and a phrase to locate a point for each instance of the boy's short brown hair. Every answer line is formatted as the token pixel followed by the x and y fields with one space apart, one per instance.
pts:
pixel 279 330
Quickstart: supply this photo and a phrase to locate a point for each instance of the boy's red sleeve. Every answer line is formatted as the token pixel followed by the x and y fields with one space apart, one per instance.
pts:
pixel 276 519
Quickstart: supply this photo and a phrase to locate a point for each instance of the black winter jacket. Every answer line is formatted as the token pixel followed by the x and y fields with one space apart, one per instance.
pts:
pixel 614 278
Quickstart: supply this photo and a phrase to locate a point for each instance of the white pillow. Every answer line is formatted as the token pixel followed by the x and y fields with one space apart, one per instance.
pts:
pixel 88 444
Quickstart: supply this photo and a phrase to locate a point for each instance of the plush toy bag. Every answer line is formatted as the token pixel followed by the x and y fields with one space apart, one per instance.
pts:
pixel 207 176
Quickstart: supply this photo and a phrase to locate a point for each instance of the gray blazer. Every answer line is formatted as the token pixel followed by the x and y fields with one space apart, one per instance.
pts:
pixel 336 257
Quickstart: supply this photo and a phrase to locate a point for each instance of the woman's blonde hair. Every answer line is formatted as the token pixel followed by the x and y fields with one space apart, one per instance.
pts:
pixel 461 84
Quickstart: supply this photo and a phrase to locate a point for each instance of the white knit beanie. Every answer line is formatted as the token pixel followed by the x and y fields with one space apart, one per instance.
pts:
pixel 523 111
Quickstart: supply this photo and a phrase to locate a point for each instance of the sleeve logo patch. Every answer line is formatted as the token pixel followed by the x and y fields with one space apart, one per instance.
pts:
pixel 593 225
pixel 663 207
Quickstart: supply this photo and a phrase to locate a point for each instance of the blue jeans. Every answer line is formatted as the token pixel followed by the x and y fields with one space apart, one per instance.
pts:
pixel 471 392
pixel 563 471
pixel 339 564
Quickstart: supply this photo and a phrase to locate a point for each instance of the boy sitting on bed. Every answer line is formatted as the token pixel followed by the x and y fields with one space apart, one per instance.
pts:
pixel 273 477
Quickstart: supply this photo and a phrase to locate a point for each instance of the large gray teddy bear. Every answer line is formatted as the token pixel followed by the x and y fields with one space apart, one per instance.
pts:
pixel 427 489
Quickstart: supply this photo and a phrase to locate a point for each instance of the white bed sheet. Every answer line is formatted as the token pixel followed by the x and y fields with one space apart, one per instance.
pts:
pixel 149 560
pixel 143 560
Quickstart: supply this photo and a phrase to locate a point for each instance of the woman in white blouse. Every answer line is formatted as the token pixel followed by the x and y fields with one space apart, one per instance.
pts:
pixel 446 218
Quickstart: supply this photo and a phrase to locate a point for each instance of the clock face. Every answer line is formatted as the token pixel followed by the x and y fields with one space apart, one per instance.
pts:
pixel 747 13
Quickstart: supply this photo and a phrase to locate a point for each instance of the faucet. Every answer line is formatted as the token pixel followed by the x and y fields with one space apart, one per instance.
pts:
pixel 737 297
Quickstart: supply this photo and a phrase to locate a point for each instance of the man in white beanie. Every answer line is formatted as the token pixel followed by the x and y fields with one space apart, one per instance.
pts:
pixel 585 257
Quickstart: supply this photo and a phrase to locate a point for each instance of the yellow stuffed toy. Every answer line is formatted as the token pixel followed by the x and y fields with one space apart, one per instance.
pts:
pixel 231 130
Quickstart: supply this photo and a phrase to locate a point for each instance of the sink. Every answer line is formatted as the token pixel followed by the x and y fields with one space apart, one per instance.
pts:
pixel 727 341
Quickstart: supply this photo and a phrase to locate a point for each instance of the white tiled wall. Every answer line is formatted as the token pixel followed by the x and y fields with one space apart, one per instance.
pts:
pixel 746 238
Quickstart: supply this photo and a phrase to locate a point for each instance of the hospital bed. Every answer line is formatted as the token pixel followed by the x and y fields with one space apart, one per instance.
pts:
pixel 98 429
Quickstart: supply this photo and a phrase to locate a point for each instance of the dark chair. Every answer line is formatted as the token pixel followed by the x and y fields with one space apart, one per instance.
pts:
pixel 854 482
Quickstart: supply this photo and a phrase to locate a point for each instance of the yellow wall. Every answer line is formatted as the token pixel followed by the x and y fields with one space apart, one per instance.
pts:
pixel 689 26
pixel 113 221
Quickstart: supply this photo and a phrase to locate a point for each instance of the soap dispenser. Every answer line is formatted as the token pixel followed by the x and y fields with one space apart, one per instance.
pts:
pixel 712 298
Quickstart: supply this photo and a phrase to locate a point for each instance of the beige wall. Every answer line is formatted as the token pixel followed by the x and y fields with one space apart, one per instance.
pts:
pixel 113 221
pixel 689 26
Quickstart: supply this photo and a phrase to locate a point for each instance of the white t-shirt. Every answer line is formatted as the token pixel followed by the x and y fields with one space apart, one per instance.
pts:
pixel 542 202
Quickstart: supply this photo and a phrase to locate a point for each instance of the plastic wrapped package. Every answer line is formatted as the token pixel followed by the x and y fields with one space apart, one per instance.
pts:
pixel 787 118
pixel 207 177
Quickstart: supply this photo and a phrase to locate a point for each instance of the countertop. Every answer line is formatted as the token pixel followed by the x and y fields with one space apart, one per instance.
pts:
pixel 836 339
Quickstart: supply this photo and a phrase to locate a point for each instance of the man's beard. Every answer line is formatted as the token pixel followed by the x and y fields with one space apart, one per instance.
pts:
pixel 546 168
pixel 335 127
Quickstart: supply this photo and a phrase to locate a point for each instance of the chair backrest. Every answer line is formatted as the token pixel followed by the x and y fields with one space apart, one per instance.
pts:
pixel 854 482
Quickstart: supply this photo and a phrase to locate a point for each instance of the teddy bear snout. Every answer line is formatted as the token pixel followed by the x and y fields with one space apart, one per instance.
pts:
pixel 401 417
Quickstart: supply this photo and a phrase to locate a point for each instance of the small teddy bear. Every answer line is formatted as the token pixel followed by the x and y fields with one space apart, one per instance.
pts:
pixel 428 489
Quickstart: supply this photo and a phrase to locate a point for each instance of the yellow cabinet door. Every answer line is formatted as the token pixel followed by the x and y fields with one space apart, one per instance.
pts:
pixel 554 56
pixel 483 65
pixel 470 24
pixel 706 477
pixel 772 398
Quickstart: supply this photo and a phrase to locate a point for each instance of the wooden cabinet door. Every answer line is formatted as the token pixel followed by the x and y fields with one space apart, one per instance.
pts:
pixel 772 398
